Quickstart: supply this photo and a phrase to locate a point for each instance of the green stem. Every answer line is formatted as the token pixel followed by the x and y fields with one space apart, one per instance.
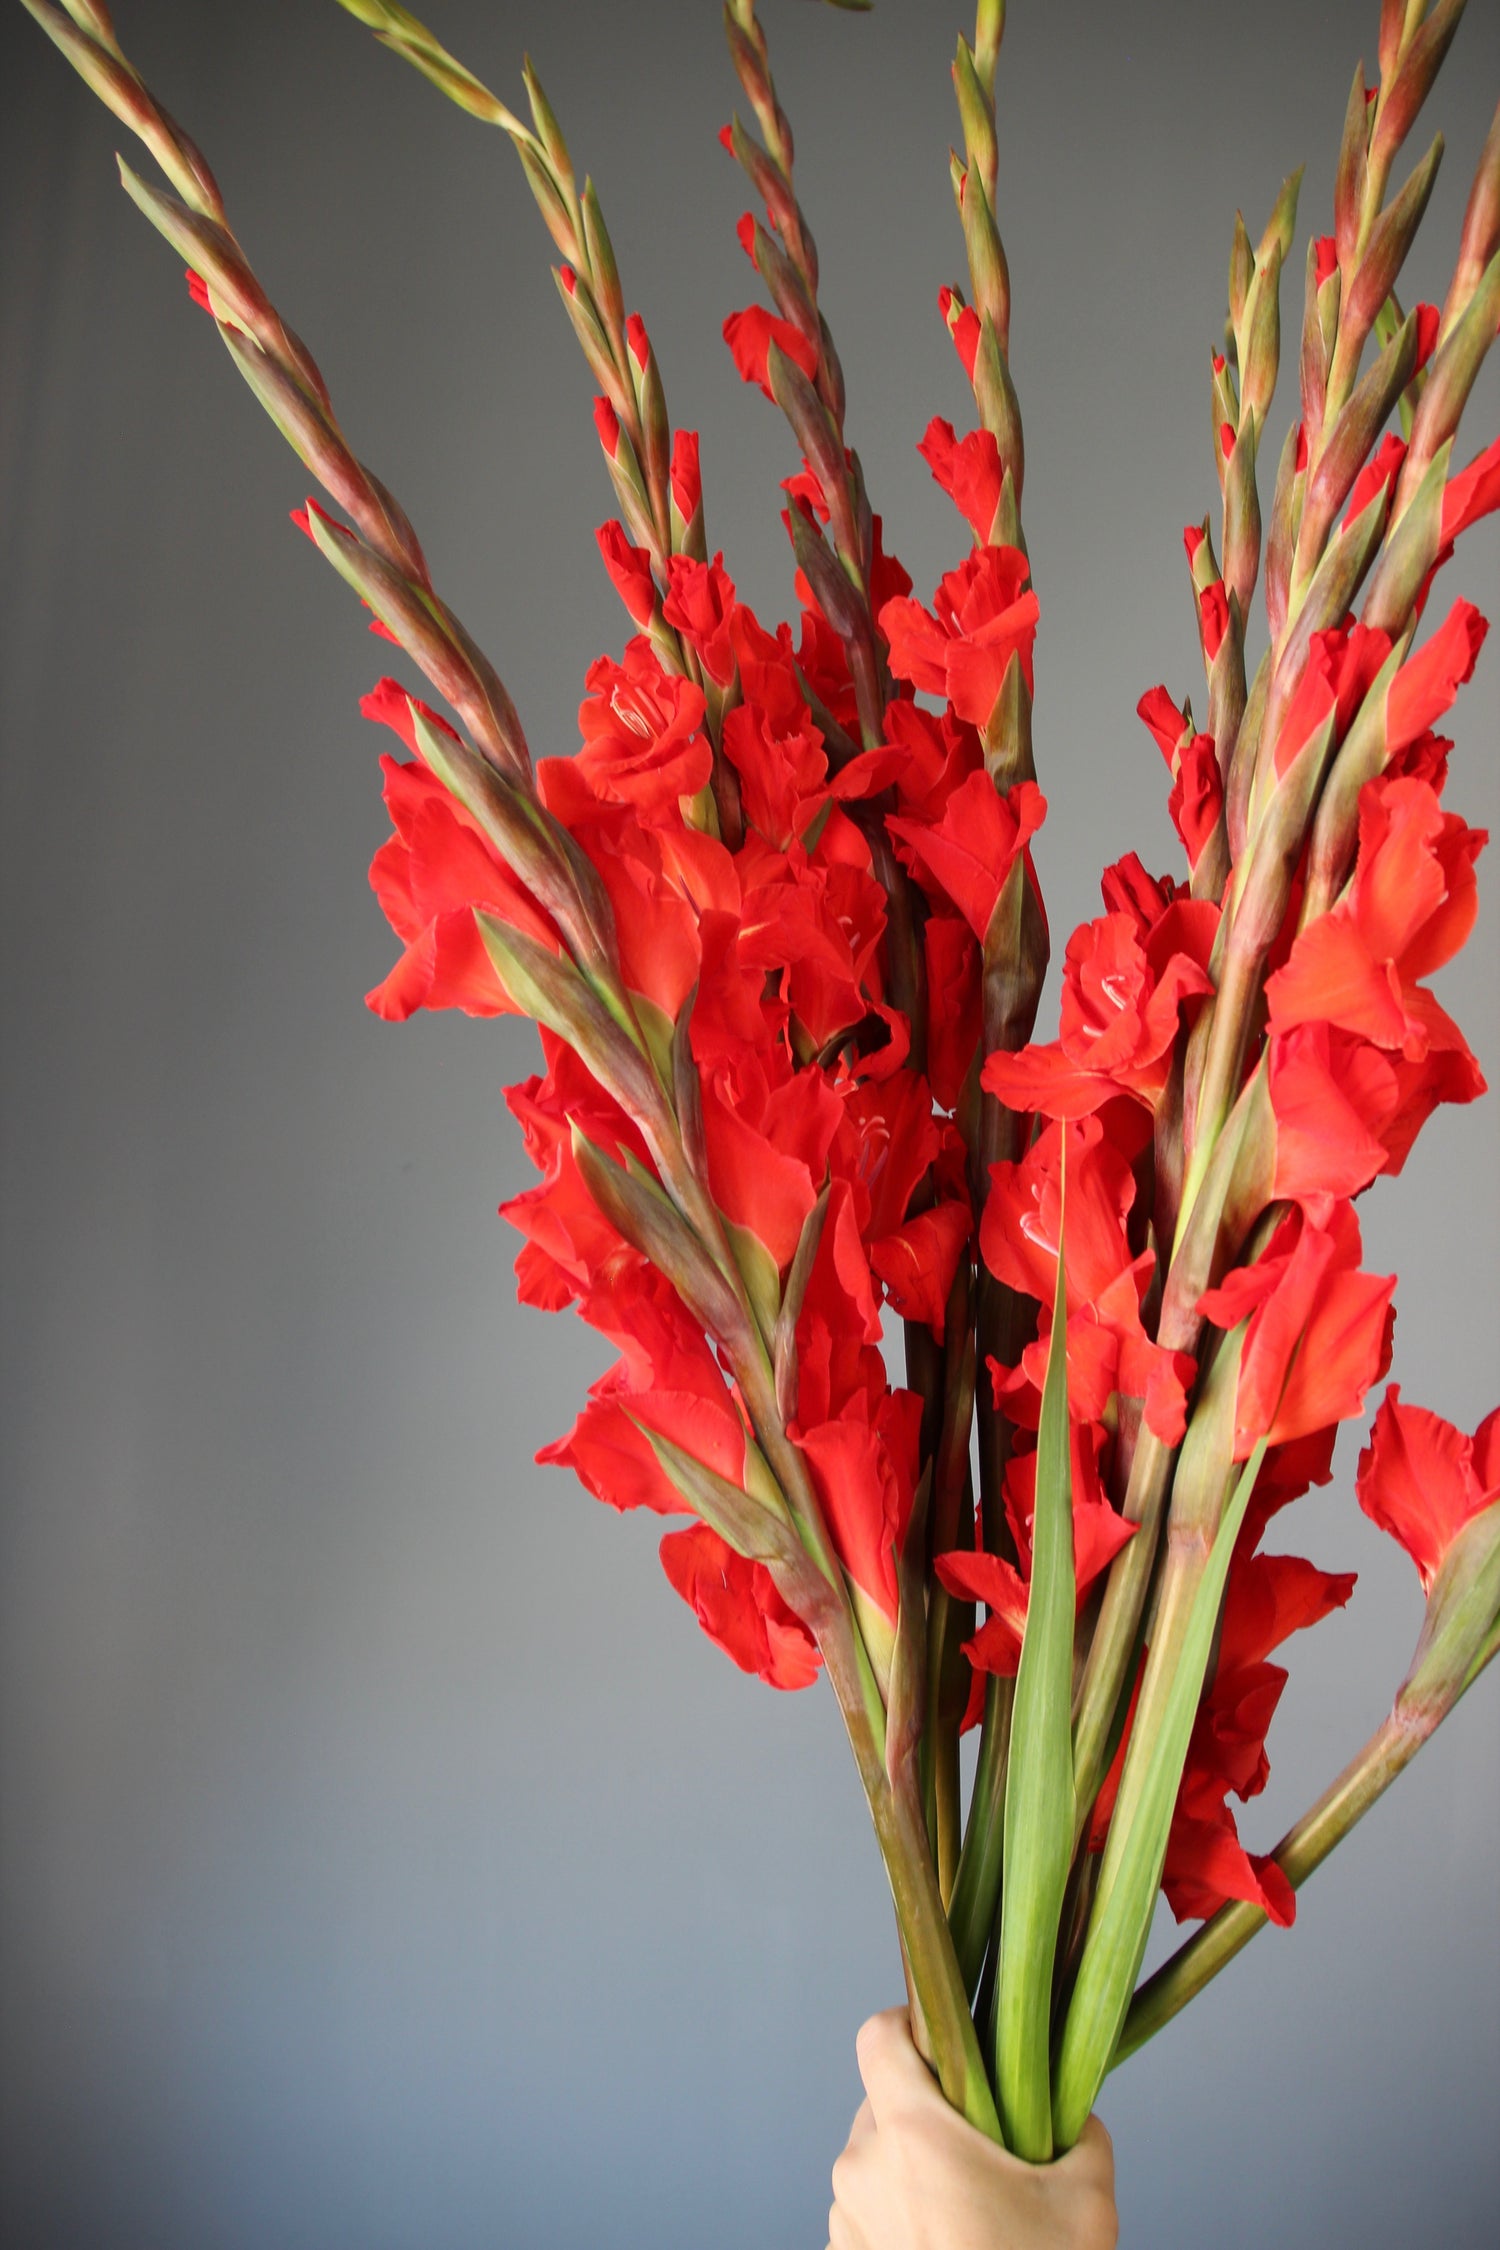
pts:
pixel 1302 1849
pixel 942 2021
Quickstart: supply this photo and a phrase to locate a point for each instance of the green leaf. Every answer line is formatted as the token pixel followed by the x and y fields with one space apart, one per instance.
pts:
pixel 1117 1937
pixel 1039 1790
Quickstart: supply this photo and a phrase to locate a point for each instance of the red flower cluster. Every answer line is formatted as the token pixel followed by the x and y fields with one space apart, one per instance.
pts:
pixel 776 953
pixel 1355 1055
pixel 762 939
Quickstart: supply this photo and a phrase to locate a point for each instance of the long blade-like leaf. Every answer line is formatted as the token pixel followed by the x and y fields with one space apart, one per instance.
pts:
pixel 1117 1940
pixel 1039 1791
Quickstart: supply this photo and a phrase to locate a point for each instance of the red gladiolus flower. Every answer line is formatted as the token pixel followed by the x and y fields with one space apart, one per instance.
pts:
pixel 1120 1006
pixel 1429 322
pixel 1107 1346
pixel 972 850
pixel 1127 888
pixel 1341 666
pixel 613 1459
pixel 864 1469
pixel 750 335
pixel 1410 907
pixel 1446 1073
pixel 668 1381
pixel 783 776
pixel 860 1437
pixel 937 753
pixel 766 1148
pixel 962 323
pixel 1197 787
pixel 1168 726
pixel 1473 493
pixel 700 603
pixel 1427 683
pixel 918 1260
pixel 638 341
pixel 629 570
pixel 737 1604
pixel 1343 1092
pixel 643 738
pixel 571 1250
pixel 1422 1480
pixel 820 920
pixel 838 1327
pixel 1379 474
pixel 1319 1332
pixel 969 469
pixel 889 1144
pixel 687 480
pixel 607 425
pixel 805 490
pixel 1325 1089
pixel 430 876
pixel 1269 1596
pixel 986 612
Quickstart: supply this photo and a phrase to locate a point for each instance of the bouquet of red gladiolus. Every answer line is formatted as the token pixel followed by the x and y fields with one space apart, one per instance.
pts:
pixel 778 923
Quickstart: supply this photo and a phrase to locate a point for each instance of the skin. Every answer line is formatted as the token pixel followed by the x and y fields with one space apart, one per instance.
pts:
pixel 915 2176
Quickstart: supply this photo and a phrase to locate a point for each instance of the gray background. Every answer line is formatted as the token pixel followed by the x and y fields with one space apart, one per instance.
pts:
pixel 387 1860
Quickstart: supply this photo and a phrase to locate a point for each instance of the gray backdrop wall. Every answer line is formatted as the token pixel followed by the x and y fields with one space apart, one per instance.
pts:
pixel 387 1860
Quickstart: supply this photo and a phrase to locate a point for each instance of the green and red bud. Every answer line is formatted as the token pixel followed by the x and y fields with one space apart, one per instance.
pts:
pixel 656 430
pixel 1451 375
pixel 976 111
pixel 1224 411
pixel 1479 238
pixel 686 482
pixel 989 273
pixel 1347 444
pixel 597 349
pixel 1241 516
pixel 1286 519
pixel 629 570
pixel 1257 324
pixel 1350 171
pixel 603 272
pixel 1407 80
pixel 788 290
pixel 88 42
pixel 768 180
pixel 1368 283
pixel 829 583
pixel 962 324
pixel 432 637
pixel 625 474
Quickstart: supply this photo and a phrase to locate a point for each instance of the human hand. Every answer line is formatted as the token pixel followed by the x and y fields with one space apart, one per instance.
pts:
pixel 917 2176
